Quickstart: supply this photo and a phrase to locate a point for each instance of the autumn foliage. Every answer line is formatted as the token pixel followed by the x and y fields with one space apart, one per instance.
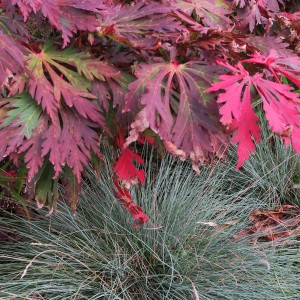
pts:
pixel 272 225
pixel 184 74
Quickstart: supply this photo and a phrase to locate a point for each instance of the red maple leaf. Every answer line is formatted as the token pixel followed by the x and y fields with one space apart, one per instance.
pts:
pixel 277 64
pixel 253 12
pixel 126 200
pixel 125 169
pixel 280 104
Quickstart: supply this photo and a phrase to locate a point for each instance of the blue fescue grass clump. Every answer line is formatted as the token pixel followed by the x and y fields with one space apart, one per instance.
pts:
pixel 186 251
pixel 272 173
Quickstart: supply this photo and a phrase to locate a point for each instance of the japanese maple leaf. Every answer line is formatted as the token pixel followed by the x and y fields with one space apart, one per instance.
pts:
pixel 51 146
pixel 291 21
pixel 281 107
pixel 126 200
pixel 67 16
pixel 71 142
pixel 77 154
pixel 90 5
pixel 246 128
pixel 66 85
pixel 280 104
pixel 253 12
pixel 21 116
pixel 212 13
pixel 277 64
pixel 11 57
pixel 237 110
pixel 272 5
pixel 264 44
pixel 126 171
pixel 69 20
pixel 25 7
pixel 32 148
pixel 137 23
pixel 112 92
pixel 68 139
pixel 68 143
pixel 250 15
pixel 14 27
pixel 8 144
pixel 176 108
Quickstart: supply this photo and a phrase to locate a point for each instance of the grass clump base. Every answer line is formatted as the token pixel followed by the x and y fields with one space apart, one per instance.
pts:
pixel 186 251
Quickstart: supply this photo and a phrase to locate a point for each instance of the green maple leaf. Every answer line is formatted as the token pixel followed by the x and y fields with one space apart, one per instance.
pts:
pixel 24 110
pixel 65 76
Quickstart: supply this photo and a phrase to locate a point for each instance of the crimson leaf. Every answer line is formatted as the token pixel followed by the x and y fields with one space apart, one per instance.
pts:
pixel 277 64
pixel 126 171
pixel 281 108
pixel 126 200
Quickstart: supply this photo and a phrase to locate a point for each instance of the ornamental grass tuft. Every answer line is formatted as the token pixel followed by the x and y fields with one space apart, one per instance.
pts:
pixel 185 251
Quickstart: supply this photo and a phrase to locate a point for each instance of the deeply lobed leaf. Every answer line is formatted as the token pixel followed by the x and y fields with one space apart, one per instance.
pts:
pixel 280 104
pixel 186 118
